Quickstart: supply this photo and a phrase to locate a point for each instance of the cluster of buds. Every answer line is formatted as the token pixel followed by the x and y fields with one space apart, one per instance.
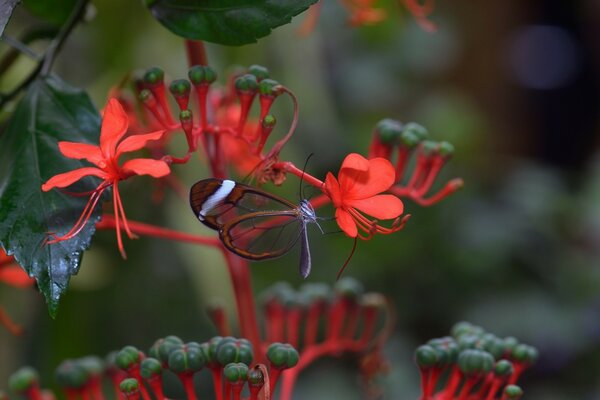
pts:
pixel 136 375
pixel 398 142
pixel 321 321
pixel 218 121
pixel 487 366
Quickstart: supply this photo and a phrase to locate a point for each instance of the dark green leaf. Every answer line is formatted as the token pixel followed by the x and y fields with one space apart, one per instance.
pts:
pixel 229 22
pixel 55 12
pixel 51 111
pixel 6 10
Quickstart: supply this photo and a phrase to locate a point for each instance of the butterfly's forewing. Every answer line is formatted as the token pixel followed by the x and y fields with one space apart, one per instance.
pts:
pixel 262 235
pixel 216 202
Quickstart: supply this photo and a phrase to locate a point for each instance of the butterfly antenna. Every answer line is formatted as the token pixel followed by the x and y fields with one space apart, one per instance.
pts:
pixel 302 176
pixel 341 271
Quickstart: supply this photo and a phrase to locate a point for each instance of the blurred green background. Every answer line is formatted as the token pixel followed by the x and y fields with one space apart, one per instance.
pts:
pixel 513 85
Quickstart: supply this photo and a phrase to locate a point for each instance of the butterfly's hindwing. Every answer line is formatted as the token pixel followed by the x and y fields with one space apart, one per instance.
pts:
pixel 263 235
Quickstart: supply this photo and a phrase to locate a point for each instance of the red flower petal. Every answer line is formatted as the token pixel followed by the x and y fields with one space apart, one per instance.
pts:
pixel 346 222
pixel 360 184
pixel 136 142
pixel 146 166
pixel 383 206
pixel 67 178
pixel 15 276
pixel 81 150
pixel 333 190
pixel 114 126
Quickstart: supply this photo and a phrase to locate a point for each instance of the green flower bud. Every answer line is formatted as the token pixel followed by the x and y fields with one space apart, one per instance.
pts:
pixel 180 88
pixel 232 350
pixel 255 377
pixel 426 356
pixel 92 364
pixel 389 131
pixel 164 347
pixel 417 130
pixel 202 74
pixel 282 355
pixel 475 362
pixel 348 287
pixel 236 372
pixel 430 147
pixel 129 386
pixel 187 359
pixel 23 379
pixel 246 83
pixel 446 348
pixel 71 374
pixel 145 96
pixel 316 292
pixel 268 87
pixel 461 328
pixel 150 368
pixel 128 357
pixel 154 76
pixel 269 121
pixel 509 344
pixel 513 392
pixel 503 368
pixel 259 72
pixel 409 139
pixel 185 115
pixel 213 344
pixel 525 353
pixel 446 149
pixel 493 345
pixel 468 341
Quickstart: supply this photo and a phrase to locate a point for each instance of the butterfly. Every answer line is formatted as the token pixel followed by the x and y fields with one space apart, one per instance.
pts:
pixel 251 222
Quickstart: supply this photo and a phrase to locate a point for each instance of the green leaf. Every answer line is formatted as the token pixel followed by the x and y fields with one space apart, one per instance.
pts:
pixel 51 111
pixel 229 22
pixel 55 12
pixel 6 9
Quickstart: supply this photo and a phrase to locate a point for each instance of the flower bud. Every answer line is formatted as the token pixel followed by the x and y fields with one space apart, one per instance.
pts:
pixel 426 356
pixel 180 88
pixel 255 378
pixel 493 345
pixel 509 344
pixel 475 362
pixel 282 355
pixel 409 140
pixel 150 368
pixel 513 392
pixel 71 374
pixel 525 353
pixel 468 341
pixel 23 380
pixel 236 372
pixel 316 292
pixel 128 357
pixel 232 350
pixel 94 365
pixel 269 87
pixel 418 130
pixel 202 75
pixel 162 348
pixel 446 149
pixel 129 386
pixel 388 130
pixel 189 358
pixel 259 72
pixel 269 121
pixel 246 83
pixel 503 368
pixel 429 147
pixel 349 288
pixel 213 344
pixel 154 76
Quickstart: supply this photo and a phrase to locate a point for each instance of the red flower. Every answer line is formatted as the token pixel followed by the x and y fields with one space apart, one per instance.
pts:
pixel 356 192
pixel 105 157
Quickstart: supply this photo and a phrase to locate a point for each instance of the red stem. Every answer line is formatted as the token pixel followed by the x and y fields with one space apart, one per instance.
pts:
pixel 469 383
pixel 312 324
pixel 288 166
pixel 452 385
pixel 188 383
pixel 196 52
pixel 239 271
pixel 216 373
pixel 493 389
pixel 403 154
pixel 219 319
pixel 156 385
pixel 34 393
pixel 351 321
pixel 109 222
pixel 425 373
pixel 294 316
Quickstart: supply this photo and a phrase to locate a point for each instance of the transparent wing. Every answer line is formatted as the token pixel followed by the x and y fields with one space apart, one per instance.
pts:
pixel 242 200
pixel 260 236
